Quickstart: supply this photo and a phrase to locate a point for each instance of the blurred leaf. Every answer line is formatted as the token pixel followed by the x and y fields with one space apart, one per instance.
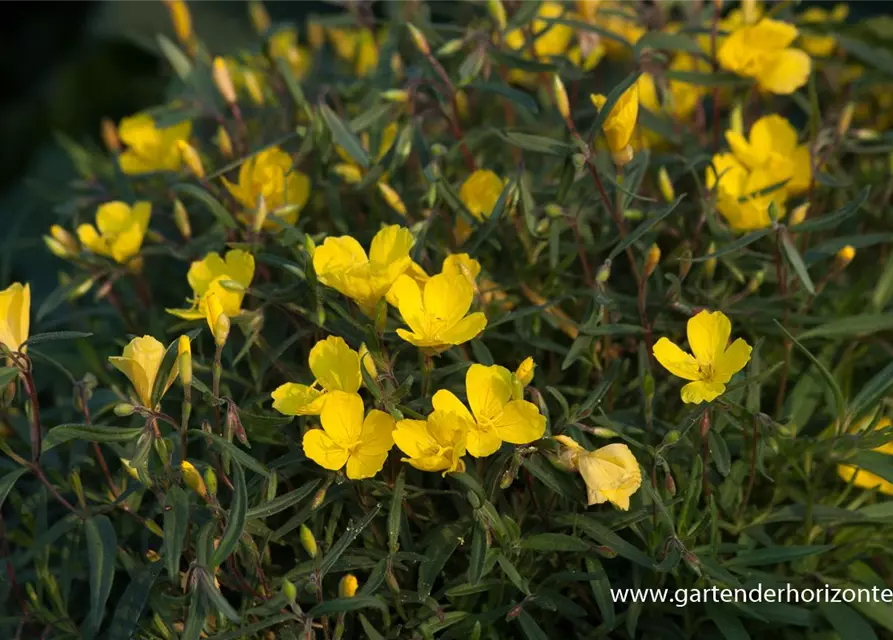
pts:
pixel 776 555
pixel 176 526
pixel 211 203
pixel 726 621
pixel 268 508
pixel 89 433
pixel 350 534
pixel 644 228
pixel 840 403
pixel 7 375
pixel 132 603
pixel 554 542
pixel 235 519
pixel 517 97
pixel 443 544
pixel 796 261
pixel 847 622
pixel 178 60
pixel 7 482
pixel 395 512
pixel 851 327
pixel 872 391
pixel 604 536
pixel 343 605
pixel 831 220
pixel 343 137
pixel 102 545
pixel 55 336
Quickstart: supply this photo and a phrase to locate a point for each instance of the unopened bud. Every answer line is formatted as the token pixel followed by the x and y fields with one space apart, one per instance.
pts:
pixel 554 210
pixel 524 372
pixel 224 143
pixel 191 159
pixel 193 478
pixel 181 219
pixel 418 38
pixel 684 263
pixel 392 198
pixel 451 47
pixel 846 119
pixel 252 85
pixel 289 590
pixel 542 227
pixel 181 20
pixel 318 498
pixel 736 120
pixel 152 526
pixel 710 263
pixel 123 409
pixel 670 484
pixel 347 587
pixel 497 12
pixel 223 80
pixel 110 136
pixel 666 186
pixel 604 272
pixel 623 157
pixel 391 580
pixel 260 214
pixel 845 256
pixel 184 357
pixel 798 215
pixel 652 259
pixel 756 281
pixel 259 16
pixel 561 101
pixel 221 329
pixel 395 95
pixel 63 241
pixel 308 541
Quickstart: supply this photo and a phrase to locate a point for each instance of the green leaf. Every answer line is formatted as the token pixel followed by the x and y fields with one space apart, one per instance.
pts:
pixel 537 144
pixel 237 454
pixel 557 481
pixel 735 245
pixel 720 452
pixel 604 536
pixel 55 336
pixel 601 591
pixel 211 203
pixel 579 346
pixel 395 513
pixel 703 79
pixel 554 542
pixel 350 534
pixel 370 631
pixel 518 97
pixel 729 625
pixel 131 605
pixel 89 433
pixel 614 330
pixel 776 555
pixel 644 228
pixel 176 525
pixel 874 56
pixel 102 544
pixel 840 403
pixel 478 557
pixel 532 631
pixel 235 521
pixel 796 261
pixel 831 220
pixel 249 630
pixel 880 464
pixel 280 503
pixel 442 546
pixel 344 137
pixel 195 618
pixel 512 574
pixel 872 391
pixel 850 327
pixel 883 290
pixel 216 599
pixel 8 481
pixel 667 42
pixel 847 622
pixel 178 60
pixel 343 605
pixel 7 375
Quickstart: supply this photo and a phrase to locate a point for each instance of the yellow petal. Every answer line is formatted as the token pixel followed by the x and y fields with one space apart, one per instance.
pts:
pixel 294 399
pixel 675 360
pixel 802 176
pixel 15 315
pixel 488 389
pixel 362 464
pixel 390 245
pixel 462 264
pixel 702 391
pixel 480 192
pixel 447 298
pixel 731 361
pixel 466 329
pixel 113 217
pixel 447 402
pixel 91 239
pixel 773 133
pixel 213 311
pixel 788 71
pixel 147 353
pixel 409 300
pixel 520 423
pixel 413 439
pixel 482 440
pixel 751 156
pixel 127 243
pixel 612 474
pixel 335 365
pixel 324 451
pixel 377 435
pixel 708 335
pixel 240 267
pixel 342 418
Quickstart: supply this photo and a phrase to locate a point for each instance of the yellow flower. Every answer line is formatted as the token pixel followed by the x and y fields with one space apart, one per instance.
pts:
pixel 350 171
pixel 496 416
pixel 270 174
pixel 356 46
pixel 15 316
pixel 218 321
pixel 348 585
pixel 121 230
pixel 140 362
pixel 206 277
pixel 150 148
pixel 284 44
pixel 347 439
pixel 762 51
pixel 683 96
pixel 479 193
pixel 818 45
pixel 772 146
pixel 714 362
pixel 616 17
pixel 436 313
pixel 551 39
pixel 744 197
pixel 460 264
pixel 611 473
pixel 61 243
pixel 193 478
pixel 335 366
pixel 620 124
pixel 434 444
pixel 865 479
pixel 341 263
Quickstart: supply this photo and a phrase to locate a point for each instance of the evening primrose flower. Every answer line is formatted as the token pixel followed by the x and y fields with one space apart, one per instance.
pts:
pixel 434 444
pixel 15 316
pixel 862 478
pixel 150 148
pixel 207 276
pixel 436 313
pixel 456 263
pixel 121 230
pixel 743 197
pixel 479 193
pixel 772 146
pixel 341 263
pixel 611 473
pixel 270 174
pixel 335 366
pixel 140 362
pixel 762 51
pixel 496 415
pixel 346 438
pixel 620 123
pixel 714 361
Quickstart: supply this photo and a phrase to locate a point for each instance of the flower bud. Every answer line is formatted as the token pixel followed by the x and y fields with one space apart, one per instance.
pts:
pixel 260 214
pixel 845 256
pixel 181 219
pixel 347 587
pixel 542 227
pixel 224 143
pixel 497 12
pixel 666 186
pixel 684 263
pixel 798 215
pixel 395 95
pixel 184 356
pixel 561 100
pixel 211 481
pixel 308 541
pixel 652 259
pixel 604 272
pixel 191 159
pixel 367 361
pixel 319 498
pixel 181 20
pixel 451 47
pixel 670 484
pixel 110 136
pixel 289 590
pixel 392 198
pixel 418 38
pixel 193 478
pixel 756 281
pixel 61 242
pixel 554 210
pixel 710 263
pixel 223 80
pixel 846 119
pixel 221 329
pixel 736 120
pixel 124 409
pixel 259 16
pixel 623 157
pixel 252 85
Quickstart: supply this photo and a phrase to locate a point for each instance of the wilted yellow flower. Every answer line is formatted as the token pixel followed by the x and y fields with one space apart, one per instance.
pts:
pixel 150 148
pixel 121 229
pixel 347 586
pixel 335 366
pixel 818 45
pixel 346 438
pixel 616 17
pixel 772 147
pixel 341 263
pixel 193 478
pixel 611 473
pixel 496 416
pixel 862 478
pixel 140 362
pixel 271 174
pixel 743 197
pixel 620 124
pixel 651 260
pixel 434 444
pixel 61 243
pixel 15 315
pixel 226 278
pixel 436 314
pixel 714 361
pixel 762 51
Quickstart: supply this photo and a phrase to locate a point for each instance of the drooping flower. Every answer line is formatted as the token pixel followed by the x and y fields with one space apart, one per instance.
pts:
pixel 271 174
pixel 150 148
pixel 714 361
pixel 341 263
pixel 218 321
pixel 15 316
pixel 743 197
pixel 226 278
pixel 620 123
pixel 437 314
pixel 335 366
pixel 862 478
pixel 121 230
pixel 346 438
pixel 762 51
pixel 611 473
pixel 772 146
pixel 434 444
pixel 496 415
pixel 140 362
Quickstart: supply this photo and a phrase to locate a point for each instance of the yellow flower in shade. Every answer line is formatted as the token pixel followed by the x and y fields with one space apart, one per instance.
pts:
pixel 226 278
pixel 348 439
pixel 496 415
pixel 284 44
pixel 356 46
pixel 61 243
pixel 743 197
pixel 149 148
pixel 335 366
pixel 15 316
pixel 347 586
pixel 865 479
pixel 714 361
pixel 611 473
pixel 616 17
pixel 270 174
pixel 762 51
pixel 140 362
pixel 818 45
pixel 353 173
pixel 436 313
pixel 456 263
pixel 341 263
pixel 121 229
pixel 479 193
pixel 434 444
pixel 772 146
pixel 550 39
pixel 620 123
pixel 193 478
